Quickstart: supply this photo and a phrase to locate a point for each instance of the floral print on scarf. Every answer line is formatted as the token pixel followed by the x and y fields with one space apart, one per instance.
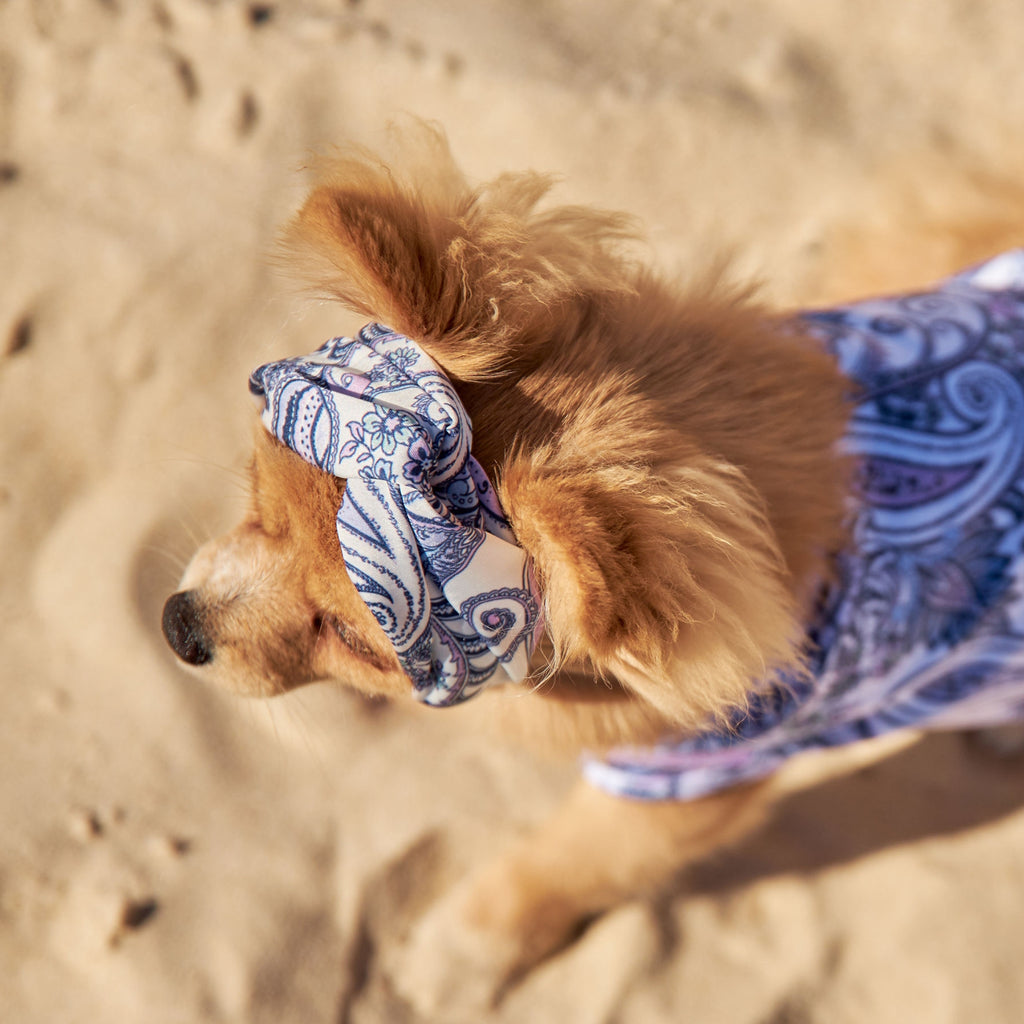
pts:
pixel 422 534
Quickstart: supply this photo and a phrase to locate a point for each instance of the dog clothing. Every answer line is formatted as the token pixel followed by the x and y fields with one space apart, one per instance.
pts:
pixel 924 626
pixel 422 534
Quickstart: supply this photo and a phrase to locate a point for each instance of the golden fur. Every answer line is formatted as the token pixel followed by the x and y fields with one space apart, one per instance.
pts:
pixel 666 458
pixel 677 544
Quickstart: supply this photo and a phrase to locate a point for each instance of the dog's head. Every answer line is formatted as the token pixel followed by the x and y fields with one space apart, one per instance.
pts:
pixel 651 451
pixel 269 606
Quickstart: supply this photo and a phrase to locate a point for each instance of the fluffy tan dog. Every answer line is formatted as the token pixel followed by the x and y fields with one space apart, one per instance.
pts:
pixel 668 461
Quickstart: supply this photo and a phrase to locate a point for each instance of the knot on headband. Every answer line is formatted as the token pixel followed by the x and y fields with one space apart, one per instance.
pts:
pixel 422 533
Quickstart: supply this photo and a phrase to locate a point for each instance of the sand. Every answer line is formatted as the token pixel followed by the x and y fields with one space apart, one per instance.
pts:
pixel 173 854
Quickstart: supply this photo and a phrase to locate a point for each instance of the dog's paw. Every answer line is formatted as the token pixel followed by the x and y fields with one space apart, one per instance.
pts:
pixel 479 939
pixel 449 970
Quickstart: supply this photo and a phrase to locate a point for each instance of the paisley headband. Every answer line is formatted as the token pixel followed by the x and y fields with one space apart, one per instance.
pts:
pixel 422 533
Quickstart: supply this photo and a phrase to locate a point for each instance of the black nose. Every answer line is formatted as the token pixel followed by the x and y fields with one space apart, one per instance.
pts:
pixel 183 630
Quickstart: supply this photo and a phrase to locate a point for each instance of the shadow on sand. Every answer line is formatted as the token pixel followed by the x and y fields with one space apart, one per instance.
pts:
pixel 943 785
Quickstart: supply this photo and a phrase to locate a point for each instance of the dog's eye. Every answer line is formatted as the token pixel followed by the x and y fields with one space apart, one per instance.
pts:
pixel 266 522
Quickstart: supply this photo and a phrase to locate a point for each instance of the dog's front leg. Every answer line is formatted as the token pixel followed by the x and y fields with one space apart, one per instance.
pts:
pixel 596 852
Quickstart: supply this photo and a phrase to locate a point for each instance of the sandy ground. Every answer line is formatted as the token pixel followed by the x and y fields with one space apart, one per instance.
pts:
pixel 172 854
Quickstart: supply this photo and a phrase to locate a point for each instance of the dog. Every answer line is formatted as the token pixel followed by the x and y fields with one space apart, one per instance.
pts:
pixel 729 518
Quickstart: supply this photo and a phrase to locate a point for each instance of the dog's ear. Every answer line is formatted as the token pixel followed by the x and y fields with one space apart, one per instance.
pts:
pixel 472 274
pixel 671 582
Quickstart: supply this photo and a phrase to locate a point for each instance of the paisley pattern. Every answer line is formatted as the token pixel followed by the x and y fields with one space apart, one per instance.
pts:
pixel 925 624
pixel 422 533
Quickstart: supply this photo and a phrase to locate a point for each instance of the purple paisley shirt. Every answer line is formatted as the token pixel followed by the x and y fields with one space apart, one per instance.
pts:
pixel 925 625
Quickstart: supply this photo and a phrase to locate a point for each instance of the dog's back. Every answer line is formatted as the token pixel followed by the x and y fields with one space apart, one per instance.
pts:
pixel 923 625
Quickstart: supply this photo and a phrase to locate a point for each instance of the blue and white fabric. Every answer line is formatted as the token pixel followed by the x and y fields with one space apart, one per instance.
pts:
pixel 925 624
pixel 422 533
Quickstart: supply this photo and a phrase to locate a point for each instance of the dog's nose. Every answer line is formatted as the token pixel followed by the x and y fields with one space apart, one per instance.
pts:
pixel 183 631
